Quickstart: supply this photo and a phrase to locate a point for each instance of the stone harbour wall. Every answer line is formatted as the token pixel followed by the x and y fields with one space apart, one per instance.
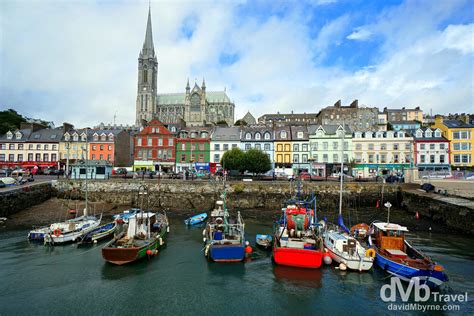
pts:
pixel 15 200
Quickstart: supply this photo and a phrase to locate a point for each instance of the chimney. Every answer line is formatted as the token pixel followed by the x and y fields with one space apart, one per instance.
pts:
pixel 354 104
pixel 337 104
pixel 67 126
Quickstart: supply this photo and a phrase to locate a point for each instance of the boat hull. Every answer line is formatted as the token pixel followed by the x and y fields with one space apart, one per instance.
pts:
pixel 432 278
pixel 300 258
pixel 226 253
pixel 101 233
pixel 121 256
pixel 352 264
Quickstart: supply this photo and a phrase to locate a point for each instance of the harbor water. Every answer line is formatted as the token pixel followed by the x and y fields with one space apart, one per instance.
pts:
pixel 72 280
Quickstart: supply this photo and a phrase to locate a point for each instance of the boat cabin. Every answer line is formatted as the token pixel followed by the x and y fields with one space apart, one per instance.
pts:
pixel 390 238
pixel 140 225
pixel 337 241
pixel 224 229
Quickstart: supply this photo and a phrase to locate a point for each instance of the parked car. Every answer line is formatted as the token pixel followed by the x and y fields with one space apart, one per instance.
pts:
pixel 3 173
pixel 19 172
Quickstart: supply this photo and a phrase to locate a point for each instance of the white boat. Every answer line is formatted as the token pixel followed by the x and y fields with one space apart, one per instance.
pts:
pixel 342 248
pixel 71 230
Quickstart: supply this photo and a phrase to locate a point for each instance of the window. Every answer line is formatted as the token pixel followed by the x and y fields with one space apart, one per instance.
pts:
pixel 2 157
pixel 395 146
pixel 383 146
pixel 38 157
pixel 432 146
pixel 101 157
pixel 11 157
pixel 334 145
pixel 335 158
pixel 287 158
pixel 371 158
pixel 395 158
pixel 299 135
pixel 279 158
pixel 20 146
pixel 432 158
pixel 257 136
pixel 20 157
pixel 160 142
pixel 11 146
pixel 371 146
pixel 193 146
pixel 295 158
pixel 465 158
pixel 287 147
pixel 45 157
pixel 358 146
pixel 216 157
pixel 183 146
pixel 441 146
pixel 346 158
pixel 226 146
pixel 267 136
pixel 109 147
pixel 183 157
pixel 30 147
pixel 139 141
pixel 258 146
pixel 314 146
pixel 283 134
pixel 30 157
pixel 234 145
pixel 248 146
pixel 201 158
pixel 422 146
pixel 441 159
pixel 201 147
pixel 383 158
pixel 217 147
pixel 96 137
pixel 101 147
pixel 94 147
pixel 325 146
pixel 93 156
pixel 296 147
pixel 346 145
pixel 248 136
pixel 315 157
pixel 325 158
pixel 304 147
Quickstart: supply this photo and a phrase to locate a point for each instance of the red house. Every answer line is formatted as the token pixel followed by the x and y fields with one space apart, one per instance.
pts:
pixel 155 148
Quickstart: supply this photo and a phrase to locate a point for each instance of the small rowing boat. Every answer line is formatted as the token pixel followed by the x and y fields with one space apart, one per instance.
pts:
pixel 196 219
pixel 263 241
pixel 100 233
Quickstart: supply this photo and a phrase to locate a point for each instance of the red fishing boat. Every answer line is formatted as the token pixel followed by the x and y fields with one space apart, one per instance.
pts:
pixel 297 242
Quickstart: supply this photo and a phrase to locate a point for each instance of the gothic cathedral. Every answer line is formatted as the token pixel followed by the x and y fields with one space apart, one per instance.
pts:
pixel 196 106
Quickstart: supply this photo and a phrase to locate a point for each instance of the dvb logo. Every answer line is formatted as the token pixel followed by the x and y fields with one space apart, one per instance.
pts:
pixel 388 292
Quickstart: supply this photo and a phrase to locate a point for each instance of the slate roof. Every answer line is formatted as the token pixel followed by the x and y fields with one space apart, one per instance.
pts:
pixel 47 135
pixel 262 129
pixel 423 129
pixel 329 129
pixel 226 133
pixel 299 128
pixel 25 133
pixel 457 124
pixel 178 98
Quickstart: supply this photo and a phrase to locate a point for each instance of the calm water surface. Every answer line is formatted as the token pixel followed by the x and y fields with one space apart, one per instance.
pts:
pixel 76 281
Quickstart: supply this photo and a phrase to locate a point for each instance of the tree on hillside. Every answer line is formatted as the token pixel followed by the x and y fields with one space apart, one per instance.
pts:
pixel 240 123
pixel 10 120
pixel 257 161
pixel 233 159
pixel 222 123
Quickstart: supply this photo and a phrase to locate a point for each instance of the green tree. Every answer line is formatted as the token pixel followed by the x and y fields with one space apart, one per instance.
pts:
pixel 10 120
pixel 233 159
pixel 240 123
pixel 256 161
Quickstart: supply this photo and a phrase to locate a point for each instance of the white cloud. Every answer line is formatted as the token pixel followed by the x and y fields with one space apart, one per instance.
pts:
pixel 81 63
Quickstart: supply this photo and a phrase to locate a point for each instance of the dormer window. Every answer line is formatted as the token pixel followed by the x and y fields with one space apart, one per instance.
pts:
pixel 379 135
pixel 428 133
pixel 83 137
pixel 173 129
pixel 75 137
pixel 257 136
pixel 358 135
pixel 400 134
pixel 267 136
pixel 18 135
pixel 437 133
pixel 299 135
pixel 67 137
pixel 193 135
pixel 389 134
pixel 248 136
pixel 203 134
pixel 368 134
pixel 111 137
pixel 283 134
pixel 103 137
pixel 419 134
pixel 96 137
pixel 9 135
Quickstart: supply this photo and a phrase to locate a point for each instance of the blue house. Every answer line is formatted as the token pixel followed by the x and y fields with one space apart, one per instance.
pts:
pixel 92 169
pixel 405 125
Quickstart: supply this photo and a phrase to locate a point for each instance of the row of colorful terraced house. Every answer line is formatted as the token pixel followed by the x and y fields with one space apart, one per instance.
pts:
pixel 291 148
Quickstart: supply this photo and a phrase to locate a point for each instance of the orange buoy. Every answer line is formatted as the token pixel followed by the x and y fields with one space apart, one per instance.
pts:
pixel 438 268
pixel 248 249
pixel 149 252
pixel 417 215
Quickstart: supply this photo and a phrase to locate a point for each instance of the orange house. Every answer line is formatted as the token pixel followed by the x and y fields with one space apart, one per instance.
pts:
pixel 102 146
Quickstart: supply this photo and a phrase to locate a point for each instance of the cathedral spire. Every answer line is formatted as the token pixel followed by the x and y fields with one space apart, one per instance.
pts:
pixel 148 49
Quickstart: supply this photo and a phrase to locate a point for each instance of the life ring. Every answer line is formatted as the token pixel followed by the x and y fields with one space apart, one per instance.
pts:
pixel 370 253
pixel 219 220
pixel 57 232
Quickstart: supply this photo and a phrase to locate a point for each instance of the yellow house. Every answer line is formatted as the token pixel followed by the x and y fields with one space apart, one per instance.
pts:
pixel 460 135
pixel 73 145
pixel 282 146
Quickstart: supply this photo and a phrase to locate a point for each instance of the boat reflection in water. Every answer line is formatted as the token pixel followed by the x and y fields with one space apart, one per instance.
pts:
pixel 299 277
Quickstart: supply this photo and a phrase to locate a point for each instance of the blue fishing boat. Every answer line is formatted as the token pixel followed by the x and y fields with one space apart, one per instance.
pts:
pixel 196 219
pixel 224 235
pixel 125 216
pixel 37 234
pixel 263 241
pixel 396 256
pixel 100 233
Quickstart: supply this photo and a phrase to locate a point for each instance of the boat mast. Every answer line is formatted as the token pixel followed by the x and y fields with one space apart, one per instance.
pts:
pixel 87 169
pixel 342 169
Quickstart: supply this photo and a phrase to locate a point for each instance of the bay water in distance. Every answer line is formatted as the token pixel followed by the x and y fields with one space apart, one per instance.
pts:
pixel 67 280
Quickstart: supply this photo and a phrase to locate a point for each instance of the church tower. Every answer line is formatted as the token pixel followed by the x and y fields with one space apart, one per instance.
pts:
pixel 147 78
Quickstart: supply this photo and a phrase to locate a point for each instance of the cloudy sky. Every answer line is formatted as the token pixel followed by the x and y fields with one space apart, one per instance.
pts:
pixel 76 61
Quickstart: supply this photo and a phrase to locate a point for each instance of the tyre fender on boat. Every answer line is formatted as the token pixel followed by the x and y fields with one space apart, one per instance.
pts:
pixel 370 253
